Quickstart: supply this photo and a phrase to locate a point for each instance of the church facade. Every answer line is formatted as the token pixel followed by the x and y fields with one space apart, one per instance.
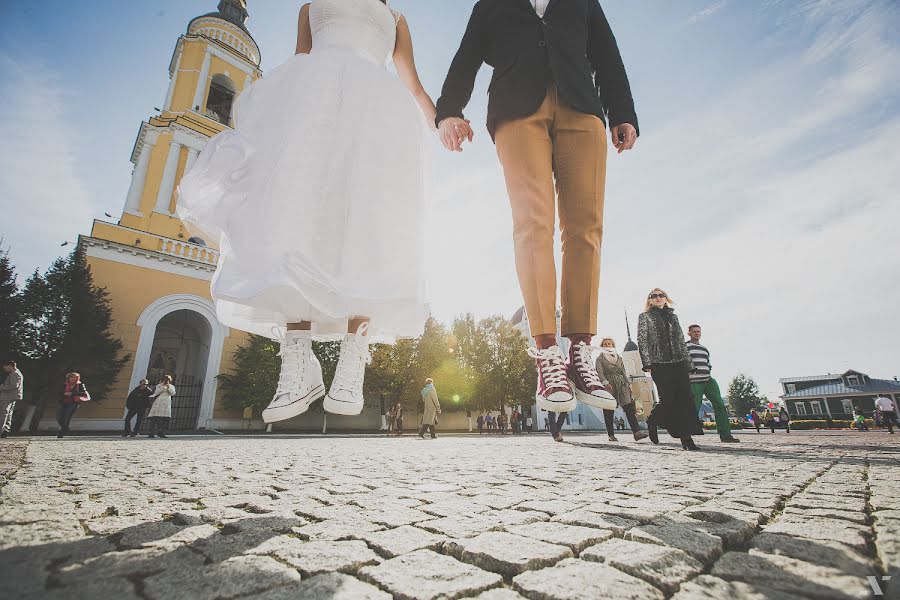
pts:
pixel 157 275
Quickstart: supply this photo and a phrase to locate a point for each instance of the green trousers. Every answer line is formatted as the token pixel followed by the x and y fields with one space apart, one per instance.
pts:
pixel 710 389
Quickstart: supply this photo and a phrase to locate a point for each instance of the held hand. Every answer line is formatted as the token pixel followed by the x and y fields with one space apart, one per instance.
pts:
pixel 624 137
pixel 453 132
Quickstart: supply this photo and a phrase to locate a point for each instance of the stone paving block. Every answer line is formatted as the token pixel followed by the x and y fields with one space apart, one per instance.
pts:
pixel 734 533
pixel 506 553
pixel 118 588
pixel 641 514
pixel 820 552
pixel 574 579
pixel 427 575
pixel 234 577
pixel 335 530
pixel 510 517
pixel 587 518
pixel 500 594
pixel 887 545
pixel 396 517
pixel 550 507
pixel 660 566
pixel 461 526
pixel 315 557
pixel 452 508
pixel 707 587
pixel 401 540
pixel 816 529
pixel 791 575
pixel 806 500
pixel 144 561
pixel 828 513
pixel 330 586
pixel 703 546
pixel 575 537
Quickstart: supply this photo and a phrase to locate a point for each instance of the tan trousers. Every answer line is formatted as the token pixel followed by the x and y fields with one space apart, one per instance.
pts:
pixel 558 143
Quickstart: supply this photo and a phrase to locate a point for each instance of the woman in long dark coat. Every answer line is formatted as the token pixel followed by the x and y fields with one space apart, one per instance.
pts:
pixel 665 354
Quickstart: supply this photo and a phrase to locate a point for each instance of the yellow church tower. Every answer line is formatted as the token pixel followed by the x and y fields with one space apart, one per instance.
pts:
pixel 157 275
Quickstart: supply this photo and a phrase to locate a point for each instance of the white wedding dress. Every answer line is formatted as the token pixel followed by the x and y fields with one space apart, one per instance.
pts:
pixel 318 194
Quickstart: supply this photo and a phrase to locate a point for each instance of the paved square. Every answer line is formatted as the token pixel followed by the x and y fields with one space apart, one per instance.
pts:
pixel 799 515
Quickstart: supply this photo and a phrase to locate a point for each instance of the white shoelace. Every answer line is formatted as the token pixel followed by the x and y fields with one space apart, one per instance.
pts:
pixel 293 356
pixel 352 362
pixel 585 366
pixel 553 365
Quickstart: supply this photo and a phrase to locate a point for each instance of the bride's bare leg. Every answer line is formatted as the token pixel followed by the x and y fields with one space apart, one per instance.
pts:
pixel 301 326
pixel 354 323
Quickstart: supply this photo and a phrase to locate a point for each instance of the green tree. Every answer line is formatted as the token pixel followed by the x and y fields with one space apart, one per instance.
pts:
pixel 494 363
pixel 66 322
pixel 10 309
pixel 254 379
pixel 743 394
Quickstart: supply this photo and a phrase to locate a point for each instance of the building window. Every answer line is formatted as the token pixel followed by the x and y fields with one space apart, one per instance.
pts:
pixel 815 407
pixel 790 388
pixel 221 98
pixel 852 380
pixel 800 407
pixel 848 405
pixel 580 419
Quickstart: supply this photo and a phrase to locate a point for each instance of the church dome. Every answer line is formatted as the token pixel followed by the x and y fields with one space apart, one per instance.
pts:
pixel 228 26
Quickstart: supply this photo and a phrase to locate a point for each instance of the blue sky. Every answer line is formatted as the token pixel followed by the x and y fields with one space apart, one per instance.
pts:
pixel 762 195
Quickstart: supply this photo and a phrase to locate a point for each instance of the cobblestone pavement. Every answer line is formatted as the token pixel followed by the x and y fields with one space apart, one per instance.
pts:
pixel 800 515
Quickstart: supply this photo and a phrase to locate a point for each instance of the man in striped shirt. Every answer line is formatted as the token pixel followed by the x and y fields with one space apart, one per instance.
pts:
pixel 703 384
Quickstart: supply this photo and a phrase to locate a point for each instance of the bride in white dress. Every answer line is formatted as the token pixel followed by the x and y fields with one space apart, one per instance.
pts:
pixel 318 199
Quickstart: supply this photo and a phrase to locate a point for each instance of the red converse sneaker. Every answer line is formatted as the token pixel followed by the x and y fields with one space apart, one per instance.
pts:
pixel 584 379
pixel 554 393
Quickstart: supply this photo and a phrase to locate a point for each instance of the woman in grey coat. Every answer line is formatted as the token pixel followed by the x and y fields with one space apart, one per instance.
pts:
pixel 432 408
pixel 665 354
pixel 611 370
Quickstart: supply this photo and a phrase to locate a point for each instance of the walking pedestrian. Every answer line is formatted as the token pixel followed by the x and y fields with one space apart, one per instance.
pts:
pixel 757 420
pixel 137 404
pixel 10 393
pixel 665 355
pixel 398 418
pixel 703 384
pixel 432 408
pixel 469 418
pixel 161 410
pixel 888 411
pixel 74 393
pixel 785 418
pixel 859 419
pixel 610 368
pixel 529 424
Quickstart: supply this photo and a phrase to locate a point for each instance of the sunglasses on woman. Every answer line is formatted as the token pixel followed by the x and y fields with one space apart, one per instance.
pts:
pixel 655 296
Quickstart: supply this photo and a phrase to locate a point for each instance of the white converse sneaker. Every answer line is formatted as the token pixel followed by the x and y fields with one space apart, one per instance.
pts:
pixel 346 394
pixel 300 383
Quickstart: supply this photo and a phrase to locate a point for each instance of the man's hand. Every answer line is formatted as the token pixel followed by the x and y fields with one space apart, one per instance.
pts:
pixel 623 137
pixel 453 132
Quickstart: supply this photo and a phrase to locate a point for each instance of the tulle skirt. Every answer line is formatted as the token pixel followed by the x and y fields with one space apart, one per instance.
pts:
pixel 318 200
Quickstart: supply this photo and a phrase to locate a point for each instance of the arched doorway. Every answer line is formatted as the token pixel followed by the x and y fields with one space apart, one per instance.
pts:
pixel 181 350
pixel 181 336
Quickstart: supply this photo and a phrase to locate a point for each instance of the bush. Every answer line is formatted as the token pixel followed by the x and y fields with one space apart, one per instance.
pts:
pixel 735 424
pixel 822 424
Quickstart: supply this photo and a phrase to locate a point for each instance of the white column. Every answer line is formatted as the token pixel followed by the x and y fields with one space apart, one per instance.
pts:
pixel 248 81
pixel 167 185
pixel 193 153
pixel 139 176
pixel 172 79
pixel 201 84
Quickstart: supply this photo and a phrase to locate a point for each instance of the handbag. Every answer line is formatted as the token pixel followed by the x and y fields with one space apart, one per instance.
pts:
pixel 83 396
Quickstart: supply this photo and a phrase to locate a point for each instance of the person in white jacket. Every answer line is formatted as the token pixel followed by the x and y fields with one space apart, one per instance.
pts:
pixel 161 409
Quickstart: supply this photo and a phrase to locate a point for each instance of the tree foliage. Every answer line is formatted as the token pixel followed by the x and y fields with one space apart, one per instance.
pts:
pixel 744 395
pixel 65 323
pixel 10 309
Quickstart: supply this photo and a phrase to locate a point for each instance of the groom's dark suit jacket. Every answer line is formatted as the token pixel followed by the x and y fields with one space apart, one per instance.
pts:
pixel 572 46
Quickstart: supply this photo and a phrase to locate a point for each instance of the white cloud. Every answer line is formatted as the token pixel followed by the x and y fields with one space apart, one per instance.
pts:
pixel 708 11
pixel 45 200
pixel 770 212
